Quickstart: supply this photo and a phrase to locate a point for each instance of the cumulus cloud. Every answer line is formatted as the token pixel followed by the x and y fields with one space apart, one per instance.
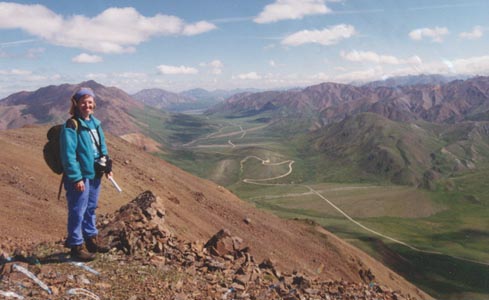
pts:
pixel 85 58
pixel 321 76
pixel 249 76
pixel 471 66
pixel 215 66
pixel 327 36
pixel 435 34
pixel 131 75
pixel 115 30
pixel 97 76
pixel 476 33
pixel 369 56
pixel 177 70
pixel 16 72
pixel 360 75
pixel 478 65
pixel 26 77
pixel 291 9
pixel 118 77
pixel 198 28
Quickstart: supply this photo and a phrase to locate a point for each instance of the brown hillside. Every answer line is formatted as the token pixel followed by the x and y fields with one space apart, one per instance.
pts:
pixel 195 210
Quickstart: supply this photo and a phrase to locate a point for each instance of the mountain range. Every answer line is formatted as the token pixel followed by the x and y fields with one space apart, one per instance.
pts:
pixel 325 103
pixel 331 102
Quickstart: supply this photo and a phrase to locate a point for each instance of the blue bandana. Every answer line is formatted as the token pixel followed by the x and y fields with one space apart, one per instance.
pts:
pixel 83 92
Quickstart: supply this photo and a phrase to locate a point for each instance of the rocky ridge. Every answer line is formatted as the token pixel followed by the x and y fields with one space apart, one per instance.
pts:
pixel 450 102
pixel 148 261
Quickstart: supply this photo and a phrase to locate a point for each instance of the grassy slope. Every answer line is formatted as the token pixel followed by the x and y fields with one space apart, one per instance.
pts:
pixel 371 145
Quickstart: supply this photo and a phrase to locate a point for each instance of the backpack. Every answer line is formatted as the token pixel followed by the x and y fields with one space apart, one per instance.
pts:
pixel 52 153
pixel 51 150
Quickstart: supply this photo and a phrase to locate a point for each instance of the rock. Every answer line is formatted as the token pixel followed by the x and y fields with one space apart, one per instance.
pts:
pixel 311 291
pixel 158 261
pixel 238 286
pixel 137 226
pixel 242 279
pixel 223 243
pixel 103 285
pixel 366 275
pixel 268 263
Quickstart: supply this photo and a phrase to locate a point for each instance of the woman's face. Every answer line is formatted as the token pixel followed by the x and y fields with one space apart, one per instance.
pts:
pixel 85 106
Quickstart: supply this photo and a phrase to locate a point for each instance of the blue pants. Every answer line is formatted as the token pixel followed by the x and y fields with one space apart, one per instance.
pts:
pixel 81 211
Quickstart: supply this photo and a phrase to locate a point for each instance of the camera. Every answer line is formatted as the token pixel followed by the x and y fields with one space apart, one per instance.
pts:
pixel 103 165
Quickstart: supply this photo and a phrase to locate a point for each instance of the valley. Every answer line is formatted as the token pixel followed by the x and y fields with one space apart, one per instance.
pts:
pixel 399 225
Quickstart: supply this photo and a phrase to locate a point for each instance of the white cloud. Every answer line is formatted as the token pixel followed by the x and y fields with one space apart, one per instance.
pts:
pixel 436 34
pixel 327 36
pixel 272 63
pixel 248 76
pixel 291 9
pixel 360 75
pixel 215 66
pixel 85 58
pixel 115 30
pixel 28 78
pixel 472 66
pixel 198 28
pixel 131 75
pixel 15 72
pixel 476 33
pixel 97 76
pixel 177 70
pixel 321 76
pixel 369 56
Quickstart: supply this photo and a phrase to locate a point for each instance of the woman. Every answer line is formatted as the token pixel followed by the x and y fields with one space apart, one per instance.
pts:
pixel 83 151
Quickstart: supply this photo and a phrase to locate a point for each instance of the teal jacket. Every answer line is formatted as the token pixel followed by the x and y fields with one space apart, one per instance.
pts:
pixel 77 155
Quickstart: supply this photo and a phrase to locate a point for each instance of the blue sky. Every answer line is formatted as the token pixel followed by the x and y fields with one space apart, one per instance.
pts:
pixel 225 44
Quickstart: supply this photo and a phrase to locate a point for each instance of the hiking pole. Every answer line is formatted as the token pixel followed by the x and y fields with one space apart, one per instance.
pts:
pixel 115 184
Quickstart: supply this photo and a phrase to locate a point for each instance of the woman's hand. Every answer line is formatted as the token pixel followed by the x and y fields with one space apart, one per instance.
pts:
pixel 107 175
pixel 80 186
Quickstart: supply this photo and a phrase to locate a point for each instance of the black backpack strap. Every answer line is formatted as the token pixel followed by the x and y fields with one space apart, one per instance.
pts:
pixel 61 186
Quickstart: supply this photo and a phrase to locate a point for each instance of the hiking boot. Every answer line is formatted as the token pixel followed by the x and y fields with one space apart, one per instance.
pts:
pixel 80 253
pixel 94 245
